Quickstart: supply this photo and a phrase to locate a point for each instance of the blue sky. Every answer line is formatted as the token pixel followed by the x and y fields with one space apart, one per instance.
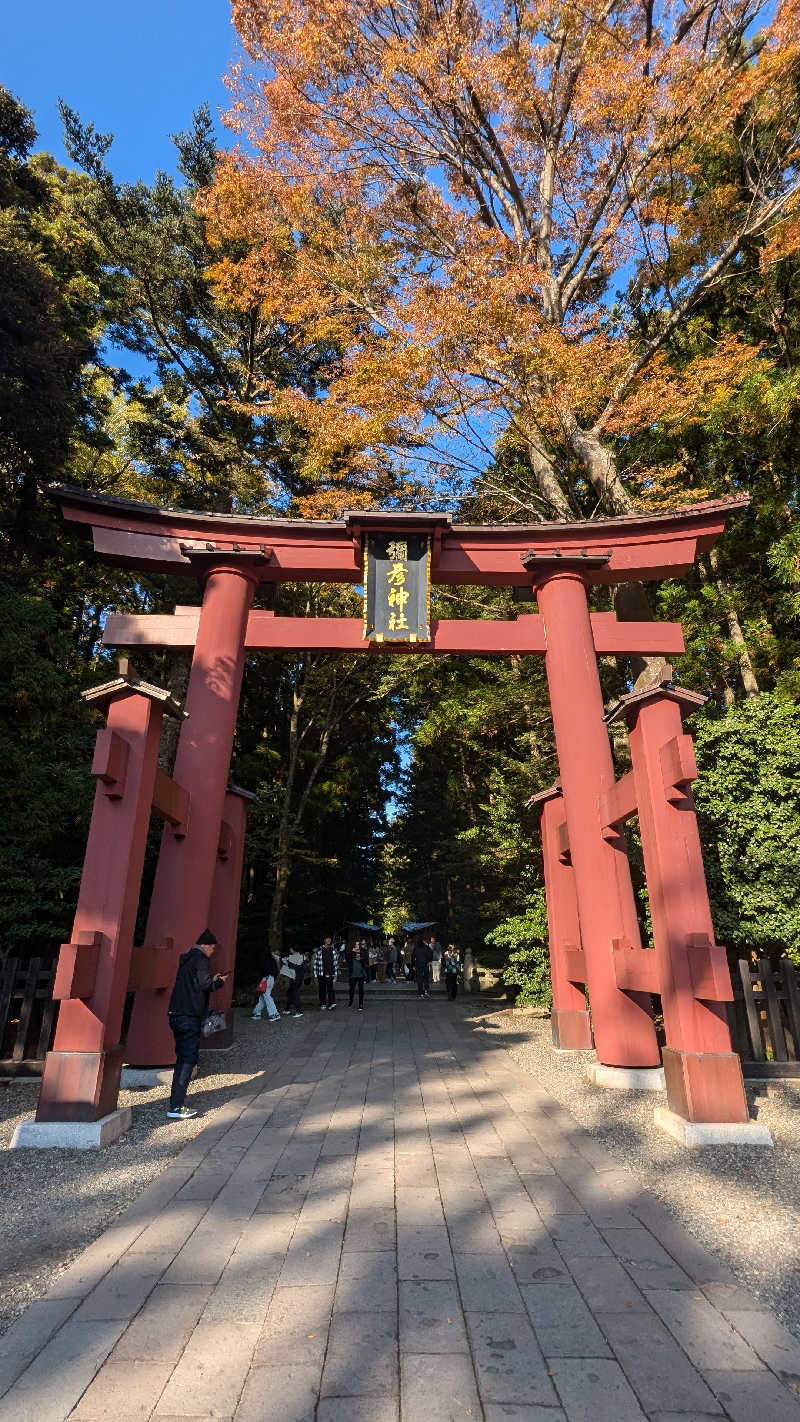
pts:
pixel 137 71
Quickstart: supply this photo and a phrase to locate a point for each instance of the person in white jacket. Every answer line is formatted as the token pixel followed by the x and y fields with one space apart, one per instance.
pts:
pixel 293 968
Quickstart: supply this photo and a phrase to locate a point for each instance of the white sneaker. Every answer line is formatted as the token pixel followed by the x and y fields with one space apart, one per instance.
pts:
pixel 323 1007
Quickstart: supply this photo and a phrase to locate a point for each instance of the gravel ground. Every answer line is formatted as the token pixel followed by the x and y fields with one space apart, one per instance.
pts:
pixel 740 1202
pixel 55 1202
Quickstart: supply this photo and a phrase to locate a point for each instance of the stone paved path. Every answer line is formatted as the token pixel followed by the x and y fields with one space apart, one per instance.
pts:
pixel 396 1223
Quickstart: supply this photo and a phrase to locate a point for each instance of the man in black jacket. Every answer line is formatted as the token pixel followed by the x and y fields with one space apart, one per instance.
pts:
pixel 423 957
pixel 187 1008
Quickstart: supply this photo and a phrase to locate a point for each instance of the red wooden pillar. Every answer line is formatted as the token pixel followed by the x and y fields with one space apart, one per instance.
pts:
pixel 570 1021
pixel 703 1076
pixel 223 914
pixel 622 1021
pixel 181 900
pixel 81 1073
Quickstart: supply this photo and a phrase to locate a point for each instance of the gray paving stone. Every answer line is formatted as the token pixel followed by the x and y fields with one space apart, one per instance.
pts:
pixel 313 1255
pixel 125 1287
pixel 362 1356
pixel 26 1338
pixel 577 1238
pixel 487 1283
pixel 49 1388
pixel 605 1285
pixel 508 1362
pixel 773 1343
pixel 563 1325
pixel 431 1320
pixel 169 1230
pixel 160 1331
pixel 280 1394
pixel 370 1228
pixel 647 1262
pixel 367 1280
pixel 519 1412
pixel 296 1326
pixel 595 1390
pixel 205 1253
pixel 440 1387
pixel 702 1332
pixel 660 1372
pixel 431 1261
pixel 697 1262
pixel 551 1195
pixel 358 1409
pixel 123 1389
pixel 211 1373
pixel 754 1397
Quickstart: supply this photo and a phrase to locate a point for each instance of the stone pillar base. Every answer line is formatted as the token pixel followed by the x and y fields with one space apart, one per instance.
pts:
pixel 705 1086
pixel 626 1078
pixel 73 1135
pixel 572 1031
pixel 141 1078
pixel 79 1086
pixel 711 1133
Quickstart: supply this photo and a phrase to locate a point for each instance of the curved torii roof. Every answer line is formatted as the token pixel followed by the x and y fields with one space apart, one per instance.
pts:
pixel 178 541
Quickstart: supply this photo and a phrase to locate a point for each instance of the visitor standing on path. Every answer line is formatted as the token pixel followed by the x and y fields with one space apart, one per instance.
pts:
pixel 452 968
pixel 436 959
pixel 188 1006
pixel 265 1000
pixel 293 968
pixel 325 965
pixel 357 970
pixel 422 958
pixel 393 955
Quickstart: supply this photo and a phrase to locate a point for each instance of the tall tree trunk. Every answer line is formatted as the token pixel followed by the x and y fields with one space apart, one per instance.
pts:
pixel 735 633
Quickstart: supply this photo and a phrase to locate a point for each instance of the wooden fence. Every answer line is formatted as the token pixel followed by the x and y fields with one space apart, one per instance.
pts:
pixel 765 1018
pixel 27 1015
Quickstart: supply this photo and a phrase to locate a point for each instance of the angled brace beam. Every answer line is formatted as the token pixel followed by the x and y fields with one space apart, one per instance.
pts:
pixel 618 805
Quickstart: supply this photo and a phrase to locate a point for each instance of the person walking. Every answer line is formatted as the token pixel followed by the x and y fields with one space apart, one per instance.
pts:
pixel 452 968
pixel 265 1001
pixel 324 965
pixel 436 959
pixel 188 1005
pixel 293 968
pixel 357 970
pixel 392 955
pixel 422 958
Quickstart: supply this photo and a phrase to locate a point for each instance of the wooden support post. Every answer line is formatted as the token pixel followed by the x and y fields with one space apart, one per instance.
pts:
pixel 180 904
pixel 223 914
pixel 622 1021
pixel 569 1019
pixel 81 1074
pixel 703 1075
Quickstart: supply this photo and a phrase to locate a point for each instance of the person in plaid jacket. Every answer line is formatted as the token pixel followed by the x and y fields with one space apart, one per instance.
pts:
pixel 325 964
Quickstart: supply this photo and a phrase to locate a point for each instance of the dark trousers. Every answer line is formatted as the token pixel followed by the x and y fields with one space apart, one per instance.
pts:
pixel 422 980
pixel 293 995
pixel 186 1031
pixel 327 996
pixel 357 983
pixel 451 980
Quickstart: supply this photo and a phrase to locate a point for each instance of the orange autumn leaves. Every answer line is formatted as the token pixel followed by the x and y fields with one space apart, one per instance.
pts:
pixel 449 196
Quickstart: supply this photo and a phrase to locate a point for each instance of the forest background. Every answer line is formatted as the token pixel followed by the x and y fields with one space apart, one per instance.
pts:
pixel 518 262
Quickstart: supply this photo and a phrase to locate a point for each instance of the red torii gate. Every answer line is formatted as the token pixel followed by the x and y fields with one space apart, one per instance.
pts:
pixel 594 932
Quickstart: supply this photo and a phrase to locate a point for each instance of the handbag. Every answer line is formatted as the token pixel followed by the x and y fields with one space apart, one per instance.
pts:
pixel 212 1023
pixel 262 987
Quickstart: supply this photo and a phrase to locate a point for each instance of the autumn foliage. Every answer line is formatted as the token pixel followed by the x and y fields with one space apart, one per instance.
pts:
pixel 500 215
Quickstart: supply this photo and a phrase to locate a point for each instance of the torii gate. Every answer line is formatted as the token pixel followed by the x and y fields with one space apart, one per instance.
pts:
pixel 594 934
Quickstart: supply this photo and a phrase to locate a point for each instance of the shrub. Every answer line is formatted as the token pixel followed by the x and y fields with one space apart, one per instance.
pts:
pixel 524 938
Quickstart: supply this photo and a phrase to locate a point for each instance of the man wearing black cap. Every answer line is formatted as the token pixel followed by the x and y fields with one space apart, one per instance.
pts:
pixel 187 1008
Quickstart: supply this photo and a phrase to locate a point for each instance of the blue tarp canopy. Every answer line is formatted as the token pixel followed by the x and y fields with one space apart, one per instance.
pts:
pixel 367 927
pixel 417 927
